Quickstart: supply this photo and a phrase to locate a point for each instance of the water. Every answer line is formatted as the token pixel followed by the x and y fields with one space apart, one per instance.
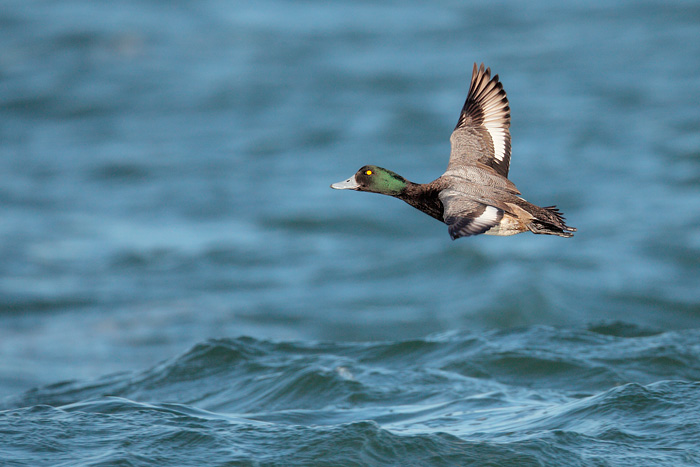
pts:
pixel 178 283
pixel 575 396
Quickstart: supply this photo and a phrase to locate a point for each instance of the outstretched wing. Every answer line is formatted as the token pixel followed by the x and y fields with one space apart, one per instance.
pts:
pixel 465 216
pixel 482 133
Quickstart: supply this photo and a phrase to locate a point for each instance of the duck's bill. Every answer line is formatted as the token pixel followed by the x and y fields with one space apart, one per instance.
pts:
pixel 349 184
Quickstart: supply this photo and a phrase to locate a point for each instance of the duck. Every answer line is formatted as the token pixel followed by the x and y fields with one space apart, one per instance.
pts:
pixel 474 196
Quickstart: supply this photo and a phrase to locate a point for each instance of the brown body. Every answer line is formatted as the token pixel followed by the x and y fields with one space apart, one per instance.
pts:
pixel 519 215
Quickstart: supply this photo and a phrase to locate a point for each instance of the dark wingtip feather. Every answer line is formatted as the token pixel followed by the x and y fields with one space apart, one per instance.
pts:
pixel 473 223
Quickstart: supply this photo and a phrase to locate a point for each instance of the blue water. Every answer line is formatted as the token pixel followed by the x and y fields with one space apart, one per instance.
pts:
pixel 180 286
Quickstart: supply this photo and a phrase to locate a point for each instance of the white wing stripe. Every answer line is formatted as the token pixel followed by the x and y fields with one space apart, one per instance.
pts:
pixel 499 141
pixel 488 217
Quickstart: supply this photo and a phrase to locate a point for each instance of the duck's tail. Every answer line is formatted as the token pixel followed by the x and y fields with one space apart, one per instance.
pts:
pixel 549 221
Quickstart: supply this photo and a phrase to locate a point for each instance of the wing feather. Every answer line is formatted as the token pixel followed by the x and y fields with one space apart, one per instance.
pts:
pixel 482 133
pixel 465 216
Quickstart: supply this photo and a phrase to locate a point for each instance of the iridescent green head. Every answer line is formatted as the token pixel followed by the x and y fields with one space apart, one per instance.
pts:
pixel 374 179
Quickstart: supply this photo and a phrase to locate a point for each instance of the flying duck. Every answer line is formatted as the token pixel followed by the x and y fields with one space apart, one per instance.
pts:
pixel 474 195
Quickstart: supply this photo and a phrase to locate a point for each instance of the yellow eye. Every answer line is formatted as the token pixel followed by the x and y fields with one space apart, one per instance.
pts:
pixel 369 172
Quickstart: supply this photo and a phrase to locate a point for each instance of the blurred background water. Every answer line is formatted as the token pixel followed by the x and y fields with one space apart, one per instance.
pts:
pixel 164 192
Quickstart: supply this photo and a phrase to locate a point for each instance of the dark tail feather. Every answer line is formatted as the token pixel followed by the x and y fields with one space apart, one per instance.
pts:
pixel 551 223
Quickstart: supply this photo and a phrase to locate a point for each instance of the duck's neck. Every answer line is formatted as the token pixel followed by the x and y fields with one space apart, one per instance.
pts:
pixel 423 197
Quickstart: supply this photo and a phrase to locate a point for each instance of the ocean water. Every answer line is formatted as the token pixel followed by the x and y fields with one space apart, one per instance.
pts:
pixel 180 286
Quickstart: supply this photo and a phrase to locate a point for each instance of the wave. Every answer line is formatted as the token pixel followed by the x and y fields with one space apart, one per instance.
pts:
pixel 526 396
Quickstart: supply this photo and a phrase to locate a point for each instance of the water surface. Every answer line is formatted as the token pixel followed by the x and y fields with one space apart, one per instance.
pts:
pixel 178 280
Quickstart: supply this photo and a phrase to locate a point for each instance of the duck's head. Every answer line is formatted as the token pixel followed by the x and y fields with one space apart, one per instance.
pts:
pixel 375 180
